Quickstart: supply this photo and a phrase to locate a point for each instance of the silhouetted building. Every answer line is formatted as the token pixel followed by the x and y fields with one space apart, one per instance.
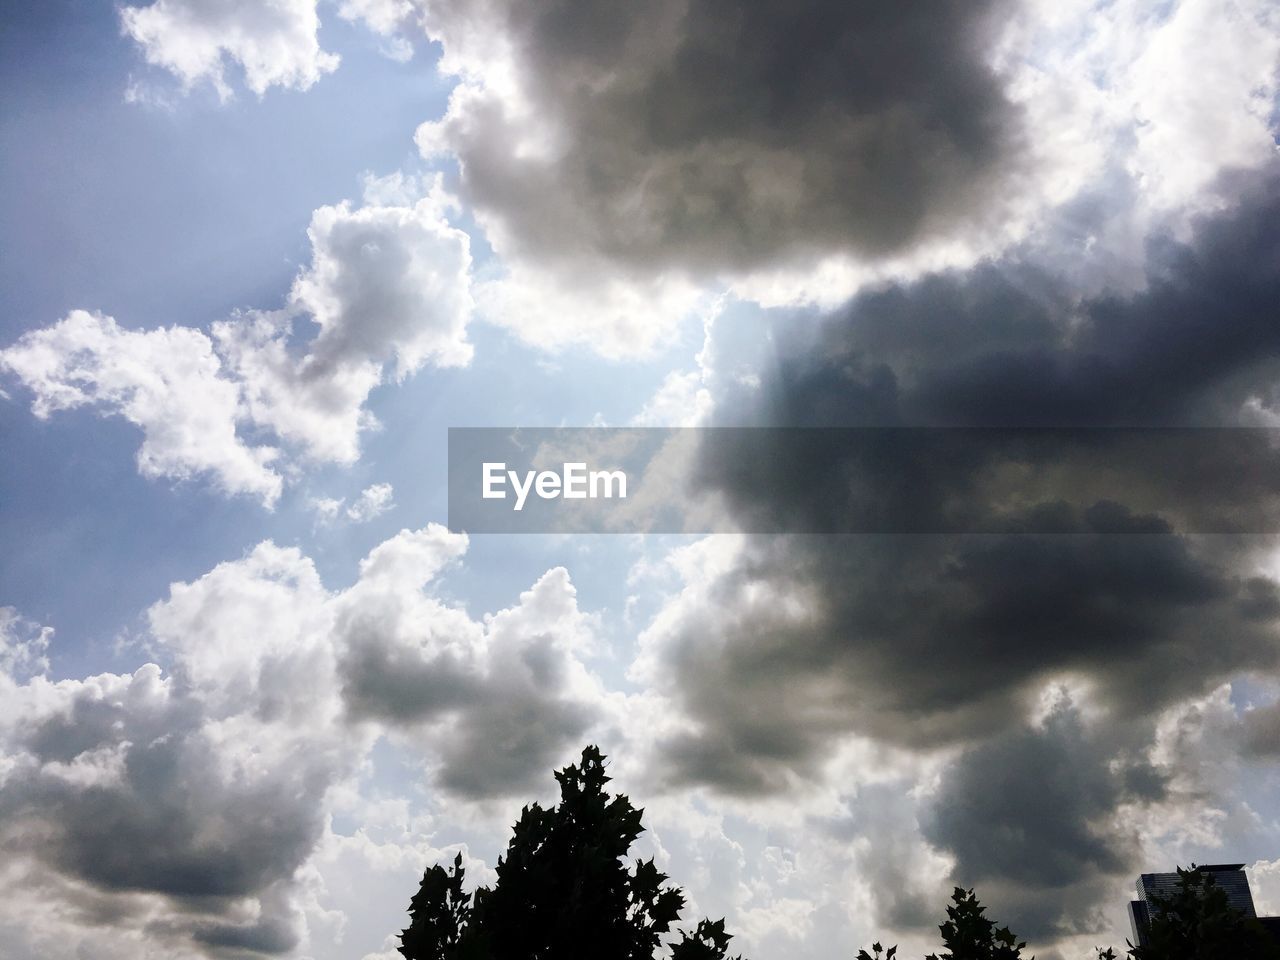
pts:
pixel 1230 877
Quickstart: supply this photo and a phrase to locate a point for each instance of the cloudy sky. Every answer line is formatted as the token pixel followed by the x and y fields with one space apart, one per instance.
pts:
pixel 260 257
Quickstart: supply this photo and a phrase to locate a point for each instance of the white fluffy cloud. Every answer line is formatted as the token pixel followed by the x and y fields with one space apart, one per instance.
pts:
pixel 383 16
pixel 387 282
pixel 622 163
pixel 182 806
pixel 589 303
pixel 497 700
pixel 388 285
pixel 373 502
pixel 168 382
pixel 190 804
pixel 272 44
pixel 318 410
pixel 386 18
pixel 625 167
pixel 275 44
pixel 1204 92
pixel 23 644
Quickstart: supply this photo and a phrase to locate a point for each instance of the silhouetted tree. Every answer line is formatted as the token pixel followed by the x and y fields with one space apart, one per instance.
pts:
pixel 1197 922
pixel 878 953
pixel 563 891
pixel 969 935
pixel 438 914
pixel 708 942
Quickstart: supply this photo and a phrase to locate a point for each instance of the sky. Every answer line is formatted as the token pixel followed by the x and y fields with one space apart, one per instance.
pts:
pixel 258 259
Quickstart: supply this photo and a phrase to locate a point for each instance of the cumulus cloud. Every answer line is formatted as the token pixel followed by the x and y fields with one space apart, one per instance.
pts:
pixel 1119 83
pixel 621 166
pixel 1265 883
pixel 168 382
pixel 778 646
pixel 275 44
pixel 648 154
pixel 386 18
pixel 1052 215
pixel 647 148
pixel 1032 818
pixel 270 45
pixel 725 134
pixel 993 347
pixel 373 502
pixel 681 400
pixel 774 651
pixel 1199 93
pixel 23 645
pixel 387 286
pixel 1052 818
pixel 1016 343
pixel 1262 731
pixel 186 803
pixel 180 806
pixel 389 283
pixel 589 304
pixel 414 662
pixel 325 508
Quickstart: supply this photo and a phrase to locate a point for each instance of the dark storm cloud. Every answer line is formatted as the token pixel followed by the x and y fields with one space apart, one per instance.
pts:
pixel 994 479
pixel 929 640
pixel 937 640
pixel 1010 344
pixel 926 640
pixel 732 134
pixel 1030 819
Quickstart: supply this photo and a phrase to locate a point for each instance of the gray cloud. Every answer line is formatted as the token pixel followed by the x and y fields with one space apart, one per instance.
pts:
pixel 881 827
pixel 1012 342
pixel 1030 817
pixel 782 646
pixel 129 789
pixel 929 640
pixel 525 729
pixel 1012 345
pixel 728 135
pixel 1262 732
pixel 275 932
pixel 498 703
